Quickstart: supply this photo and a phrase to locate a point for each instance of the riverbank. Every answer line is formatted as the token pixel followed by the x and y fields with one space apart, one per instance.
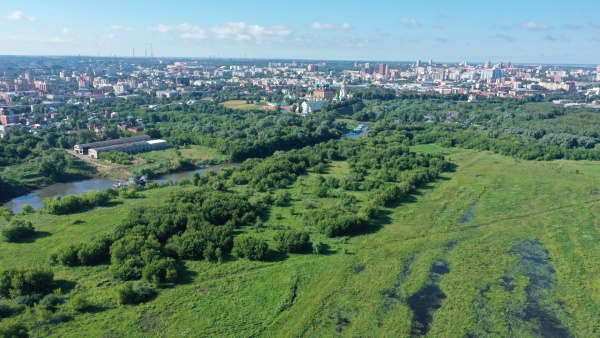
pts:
pixel 35 197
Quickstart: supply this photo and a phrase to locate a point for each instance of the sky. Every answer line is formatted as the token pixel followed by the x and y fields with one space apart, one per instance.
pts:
pixel 529 31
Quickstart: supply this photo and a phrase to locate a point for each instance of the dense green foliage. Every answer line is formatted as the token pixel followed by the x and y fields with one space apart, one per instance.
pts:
pixel 250 247
pixel 13 329
pixel 292 241
pixel 16 230
pixel 117 157
pixel 134 293
pixel 76 203
pixel 25 281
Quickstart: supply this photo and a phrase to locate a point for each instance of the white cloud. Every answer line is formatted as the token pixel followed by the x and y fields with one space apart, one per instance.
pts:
pixel 410 22
pixel 534 26
pixel 240 31
pixel 65 30
pixel 330 26
pixel 18 15
pixel 596 38
pixel 108 36
pixel 190 32
pixel 161 28
pixel 121 28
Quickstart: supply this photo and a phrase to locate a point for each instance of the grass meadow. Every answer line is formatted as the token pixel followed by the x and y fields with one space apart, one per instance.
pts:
pixel 500 247
pixel 242 105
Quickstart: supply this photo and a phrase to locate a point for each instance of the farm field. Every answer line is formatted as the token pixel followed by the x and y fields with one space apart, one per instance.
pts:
pixel 499 247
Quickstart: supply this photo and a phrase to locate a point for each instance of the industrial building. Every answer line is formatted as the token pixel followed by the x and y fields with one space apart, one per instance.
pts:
pixel 130 148
pixel 84 148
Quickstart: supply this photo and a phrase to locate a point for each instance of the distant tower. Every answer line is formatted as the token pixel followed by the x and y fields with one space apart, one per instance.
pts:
pixel 343 89
pixel 418 63
pixel 430 62
pixel 487 65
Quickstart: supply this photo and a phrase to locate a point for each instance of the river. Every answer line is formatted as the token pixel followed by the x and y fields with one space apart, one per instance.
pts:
pixel 36 197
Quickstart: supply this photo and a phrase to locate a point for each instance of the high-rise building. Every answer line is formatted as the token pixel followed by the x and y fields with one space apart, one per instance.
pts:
pixel 490 74
pixel 418 63
pixel 487 65
pixel 430 62
pixel 28 77
pixel 383 70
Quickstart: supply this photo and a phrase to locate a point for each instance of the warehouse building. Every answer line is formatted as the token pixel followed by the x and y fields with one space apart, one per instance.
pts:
pixel 84 148
pixel 130 148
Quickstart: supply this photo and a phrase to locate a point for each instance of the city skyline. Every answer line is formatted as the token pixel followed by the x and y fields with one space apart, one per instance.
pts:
pixel 532 32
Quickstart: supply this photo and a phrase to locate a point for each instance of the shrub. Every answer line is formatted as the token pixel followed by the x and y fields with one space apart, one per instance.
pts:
pixel 8 308
pixel 250 247
pixel 23 281
pixel 27 209
pixel 80 303
pixel 65 255
pixel 134 293
pixel 49 302
pixel 17 230
pixel 161 271
pixel 130 254
pixel 13 329
pixel 317 247
pixel 292 241
pixel 333 223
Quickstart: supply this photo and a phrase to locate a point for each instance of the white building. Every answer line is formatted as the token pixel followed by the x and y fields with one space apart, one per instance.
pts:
pixel 309 107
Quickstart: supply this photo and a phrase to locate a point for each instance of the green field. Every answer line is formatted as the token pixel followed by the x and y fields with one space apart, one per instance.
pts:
pixel 502 247
pixel 242 105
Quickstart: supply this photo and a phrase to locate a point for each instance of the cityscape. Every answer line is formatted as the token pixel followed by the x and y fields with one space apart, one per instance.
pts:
pixel 32 88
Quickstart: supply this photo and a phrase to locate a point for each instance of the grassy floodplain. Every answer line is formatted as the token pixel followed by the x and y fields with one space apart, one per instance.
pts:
pixel 499 247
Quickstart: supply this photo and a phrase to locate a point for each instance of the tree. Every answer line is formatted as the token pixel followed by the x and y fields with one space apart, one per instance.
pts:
pixel 23 281
pixel 134 293
pixel 13 329
pixel 250 247
pixel 292 241
pixel 17 230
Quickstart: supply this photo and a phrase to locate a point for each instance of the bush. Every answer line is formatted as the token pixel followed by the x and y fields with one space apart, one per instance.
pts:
pixel 23 281
pixel 292 241
pixel 49 302
pixel 317 247
pixel 8 308
pixel 334 223
pixel 17 230
pixel 161 271
pixel 80 303
pixel 13 329
pixel 130 254
pixel 250 247
pixel 27 209
pixel 65 255
pixel 134 293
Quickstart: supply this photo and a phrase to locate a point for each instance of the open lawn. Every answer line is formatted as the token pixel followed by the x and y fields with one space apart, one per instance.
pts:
pixel 242 105
pixel 499 247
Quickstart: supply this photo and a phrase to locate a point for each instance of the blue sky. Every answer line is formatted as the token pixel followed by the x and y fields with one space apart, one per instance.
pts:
pixel 529 31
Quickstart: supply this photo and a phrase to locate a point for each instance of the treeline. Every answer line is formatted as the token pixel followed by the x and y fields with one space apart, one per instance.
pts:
pixel 242 135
